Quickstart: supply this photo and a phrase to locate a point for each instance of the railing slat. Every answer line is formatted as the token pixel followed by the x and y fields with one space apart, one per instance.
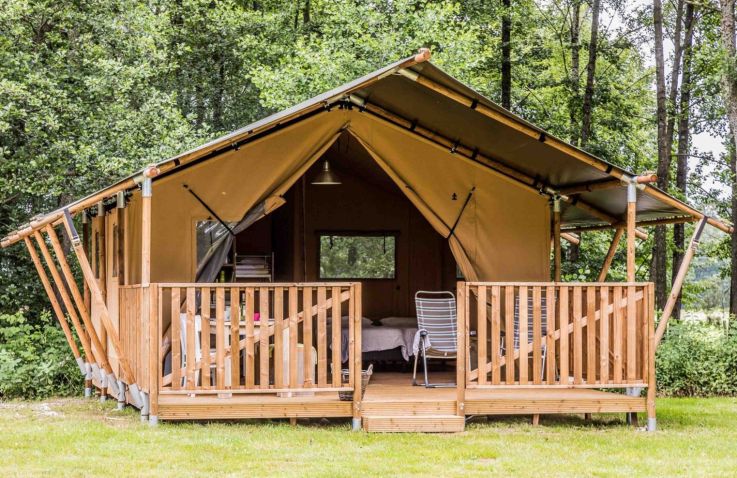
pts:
pixel 279 337
pixel 523 336
pixel 631 334
pixel 220 338
pixel 563 314
pixel 550 324
pixel 176 345
pixel 307 336
pixel 322 366
pixel 577 338
pixel 190 336
pixel 293 311
pixel 645 343
pixel 496 331
pixel 250 350
pixel 618 330
pixel 536 335
pixel 590 334
pixel 263 351
pixel 604 335
pixel 509 333
pixel 205 314
pixel 481 333
pixel 335 349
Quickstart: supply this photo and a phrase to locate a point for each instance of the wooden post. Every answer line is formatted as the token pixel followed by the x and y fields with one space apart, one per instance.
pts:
pixel 610 254
pixel 678 282
pixel 651 382
pixel 154 337
pixel 461 353
pixel 556 239
pixel 631 215
pixel 357 366
pixel 149 310
pixel 86 246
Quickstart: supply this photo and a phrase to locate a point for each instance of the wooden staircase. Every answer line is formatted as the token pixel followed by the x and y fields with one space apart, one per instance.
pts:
pixel 415 415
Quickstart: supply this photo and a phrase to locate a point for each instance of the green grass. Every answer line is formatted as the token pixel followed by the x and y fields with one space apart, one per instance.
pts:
pixel 72 437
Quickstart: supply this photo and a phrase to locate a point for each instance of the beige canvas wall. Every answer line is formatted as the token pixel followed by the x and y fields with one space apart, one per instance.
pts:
pixel 504 231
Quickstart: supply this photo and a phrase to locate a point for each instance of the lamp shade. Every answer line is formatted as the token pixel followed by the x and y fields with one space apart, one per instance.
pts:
pixel 326 176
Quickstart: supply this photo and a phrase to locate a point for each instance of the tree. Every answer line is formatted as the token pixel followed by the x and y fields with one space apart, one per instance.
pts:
pixel 658 272
pixel 506 85
pixel 729 94
pixel 679 236
pixel 588 94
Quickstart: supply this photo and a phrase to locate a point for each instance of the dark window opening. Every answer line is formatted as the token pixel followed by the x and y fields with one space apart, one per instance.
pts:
pixel 357 256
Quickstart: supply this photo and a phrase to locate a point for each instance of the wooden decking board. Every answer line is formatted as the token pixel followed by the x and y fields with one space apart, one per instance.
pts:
pixel 173 407
pixel 392 404
pixel 423 424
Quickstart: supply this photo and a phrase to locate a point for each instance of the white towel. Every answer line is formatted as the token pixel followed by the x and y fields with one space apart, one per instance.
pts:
pixel 416 342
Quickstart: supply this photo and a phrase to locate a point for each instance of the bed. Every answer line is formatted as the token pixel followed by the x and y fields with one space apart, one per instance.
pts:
pixel 392 333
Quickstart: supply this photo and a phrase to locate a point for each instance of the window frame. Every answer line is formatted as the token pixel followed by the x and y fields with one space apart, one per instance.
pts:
pixel 357 233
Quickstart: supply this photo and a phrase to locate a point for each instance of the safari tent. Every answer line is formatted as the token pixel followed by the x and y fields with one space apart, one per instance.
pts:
pixel 258 275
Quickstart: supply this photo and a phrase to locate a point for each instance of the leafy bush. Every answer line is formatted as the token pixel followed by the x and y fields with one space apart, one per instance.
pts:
pixel 698 359
pixel 35 360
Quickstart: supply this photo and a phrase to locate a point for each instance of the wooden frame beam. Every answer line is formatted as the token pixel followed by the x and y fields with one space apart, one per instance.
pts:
pixel 591 186
pixel 610 254
pixel 678 281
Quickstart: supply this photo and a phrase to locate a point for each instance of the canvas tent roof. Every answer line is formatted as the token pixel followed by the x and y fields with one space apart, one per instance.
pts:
pixel 419 97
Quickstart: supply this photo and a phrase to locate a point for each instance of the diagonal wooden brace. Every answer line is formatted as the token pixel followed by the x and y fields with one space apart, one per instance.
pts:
pixel 678 281
pixel 55 306
pixel 93 352
pixel 89 277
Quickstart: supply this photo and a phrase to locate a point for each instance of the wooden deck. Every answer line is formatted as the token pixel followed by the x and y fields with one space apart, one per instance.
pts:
pixel 392 404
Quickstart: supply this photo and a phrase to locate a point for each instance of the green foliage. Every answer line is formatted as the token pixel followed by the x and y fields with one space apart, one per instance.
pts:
pixel 357 257
pixel 697 359
pixel 35 360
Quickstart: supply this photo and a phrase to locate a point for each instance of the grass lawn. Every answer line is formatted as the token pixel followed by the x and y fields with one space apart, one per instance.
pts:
pixel 73 437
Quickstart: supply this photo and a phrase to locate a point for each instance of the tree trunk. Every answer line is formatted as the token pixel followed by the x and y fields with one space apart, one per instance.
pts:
pixel 733 238
pixel 507 55
pixel 588 94
pixel 575 68
pixel 729 93
pixel 679 233
pixel 306 13
pixel 675 69
pixel 659 251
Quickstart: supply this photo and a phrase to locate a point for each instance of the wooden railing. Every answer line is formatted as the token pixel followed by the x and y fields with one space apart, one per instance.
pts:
pixel 133 329
pixel 595 335
pixel 259 338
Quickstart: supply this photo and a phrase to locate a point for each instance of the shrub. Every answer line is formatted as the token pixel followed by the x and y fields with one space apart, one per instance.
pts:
pixel 697 359
pixel 35 360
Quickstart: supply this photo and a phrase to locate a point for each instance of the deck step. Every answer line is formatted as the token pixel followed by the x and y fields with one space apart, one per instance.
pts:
pixel 408 407
pixel 413 423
